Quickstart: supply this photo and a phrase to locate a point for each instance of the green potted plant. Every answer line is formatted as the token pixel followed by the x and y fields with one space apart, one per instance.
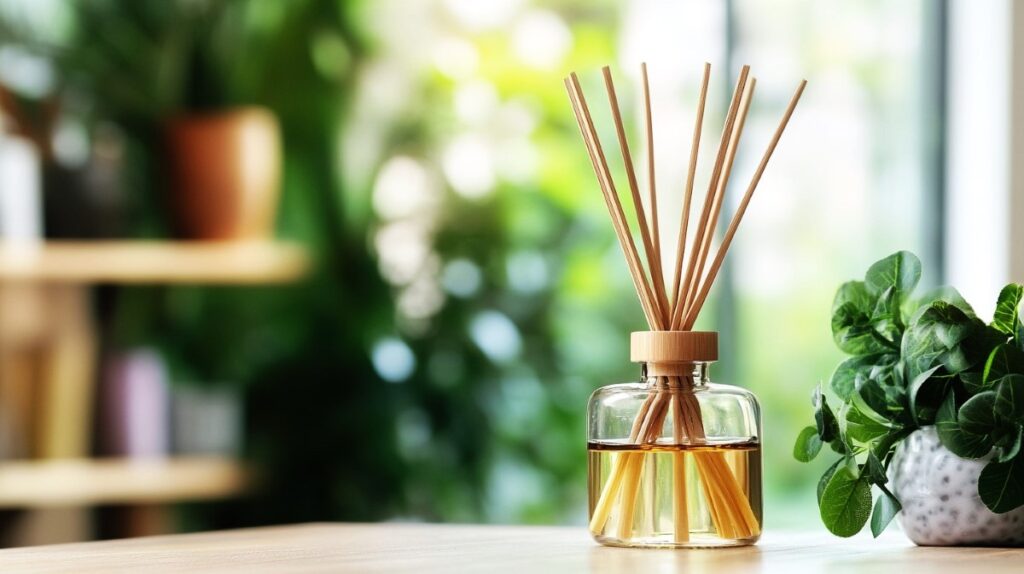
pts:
pixel 930 412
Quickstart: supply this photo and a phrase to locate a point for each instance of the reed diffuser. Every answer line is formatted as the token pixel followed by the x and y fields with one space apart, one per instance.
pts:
pixel 674 460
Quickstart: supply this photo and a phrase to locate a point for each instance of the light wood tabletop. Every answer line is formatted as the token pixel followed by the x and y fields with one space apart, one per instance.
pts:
pixel 426 548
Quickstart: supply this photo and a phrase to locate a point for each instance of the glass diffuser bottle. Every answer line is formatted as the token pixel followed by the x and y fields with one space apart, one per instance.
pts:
pixel 674 460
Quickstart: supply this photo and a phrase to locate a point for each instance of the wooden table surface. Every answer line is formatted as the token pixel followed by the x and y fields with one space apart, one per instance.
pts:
pixel 426 548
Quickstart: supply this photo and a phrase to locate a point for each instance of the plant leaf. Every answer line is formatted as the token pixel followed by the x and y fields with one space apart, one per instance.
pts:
pixel 886 508
pixel 901 270
pixel 1005 359
pixel 1009 447
pixel 973 382
pixel 960 442
pixel 888 370
pixel 844 378
pixel 925 394
pixel 827 476
pixel 824 418
pixel 875 470
pixel 949 295
pixel 871 398
pixel 808 445
pixel 888 442
pixel 861 427
pixel 856 294
pixel 1006 317
pixel 854 334
pixel 977 415
pixel 852 329
pixel 845 503
pixel 938 334
pixel 886 317
pixel 1010 398
pixel 1001 485
pixel 838 446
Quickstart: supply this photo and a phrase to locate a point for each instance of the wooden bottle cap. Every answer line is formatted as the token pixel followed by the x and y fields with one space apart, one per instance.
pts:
pixel 673 346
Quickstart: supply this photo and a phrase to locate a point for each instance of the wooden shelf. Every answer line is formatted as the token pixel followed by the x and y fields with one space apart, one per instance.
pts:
pixel 85 482
pixel 193 262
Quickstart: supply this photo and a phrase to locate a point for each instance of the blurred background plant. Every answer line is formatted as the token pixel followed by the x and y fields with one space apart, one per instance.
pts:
pixel 467 294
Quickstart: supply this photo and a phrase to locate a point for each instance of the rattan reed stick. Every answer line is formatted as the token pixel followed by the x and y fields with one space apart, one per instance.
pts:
pixel 653 260
pixel 720 187
pixel 600 164
pixel 702 224
pixel 651 179
pixel 691 316
pixel 688 193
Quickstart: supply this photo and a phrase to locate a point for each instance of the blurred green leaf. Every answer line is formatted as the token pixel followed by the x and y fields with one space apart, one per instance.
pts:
pixel 1007 314
pixel 808 445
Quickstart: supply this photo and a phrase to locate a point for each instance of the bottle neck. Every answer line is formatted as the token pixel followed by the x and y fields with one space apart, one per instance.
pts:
pixel 696 373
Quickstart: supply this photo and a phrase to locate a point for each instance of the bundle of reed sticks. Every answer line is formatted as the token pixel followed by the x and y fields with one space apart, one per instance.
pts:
pixel 675 309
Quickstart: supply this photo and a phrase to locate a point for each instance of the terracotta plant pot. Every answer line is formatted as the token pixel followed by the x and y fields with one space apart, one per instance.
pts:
pixel 225 173
pixel 939 494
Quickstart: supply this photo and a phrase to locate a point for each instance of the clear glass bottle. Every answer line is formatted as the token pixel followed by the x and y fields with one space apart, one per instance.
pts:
pixel 674 459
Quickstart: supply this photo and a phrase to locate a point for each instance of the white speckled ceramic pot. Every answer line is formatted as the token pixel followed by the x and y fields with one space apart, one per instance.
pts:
pixel 939 494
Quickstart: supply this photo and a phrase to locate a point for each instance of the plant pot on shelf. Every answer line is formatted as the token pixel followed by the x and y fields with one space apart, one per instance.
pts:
pixel 225 171
pixel 939 494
